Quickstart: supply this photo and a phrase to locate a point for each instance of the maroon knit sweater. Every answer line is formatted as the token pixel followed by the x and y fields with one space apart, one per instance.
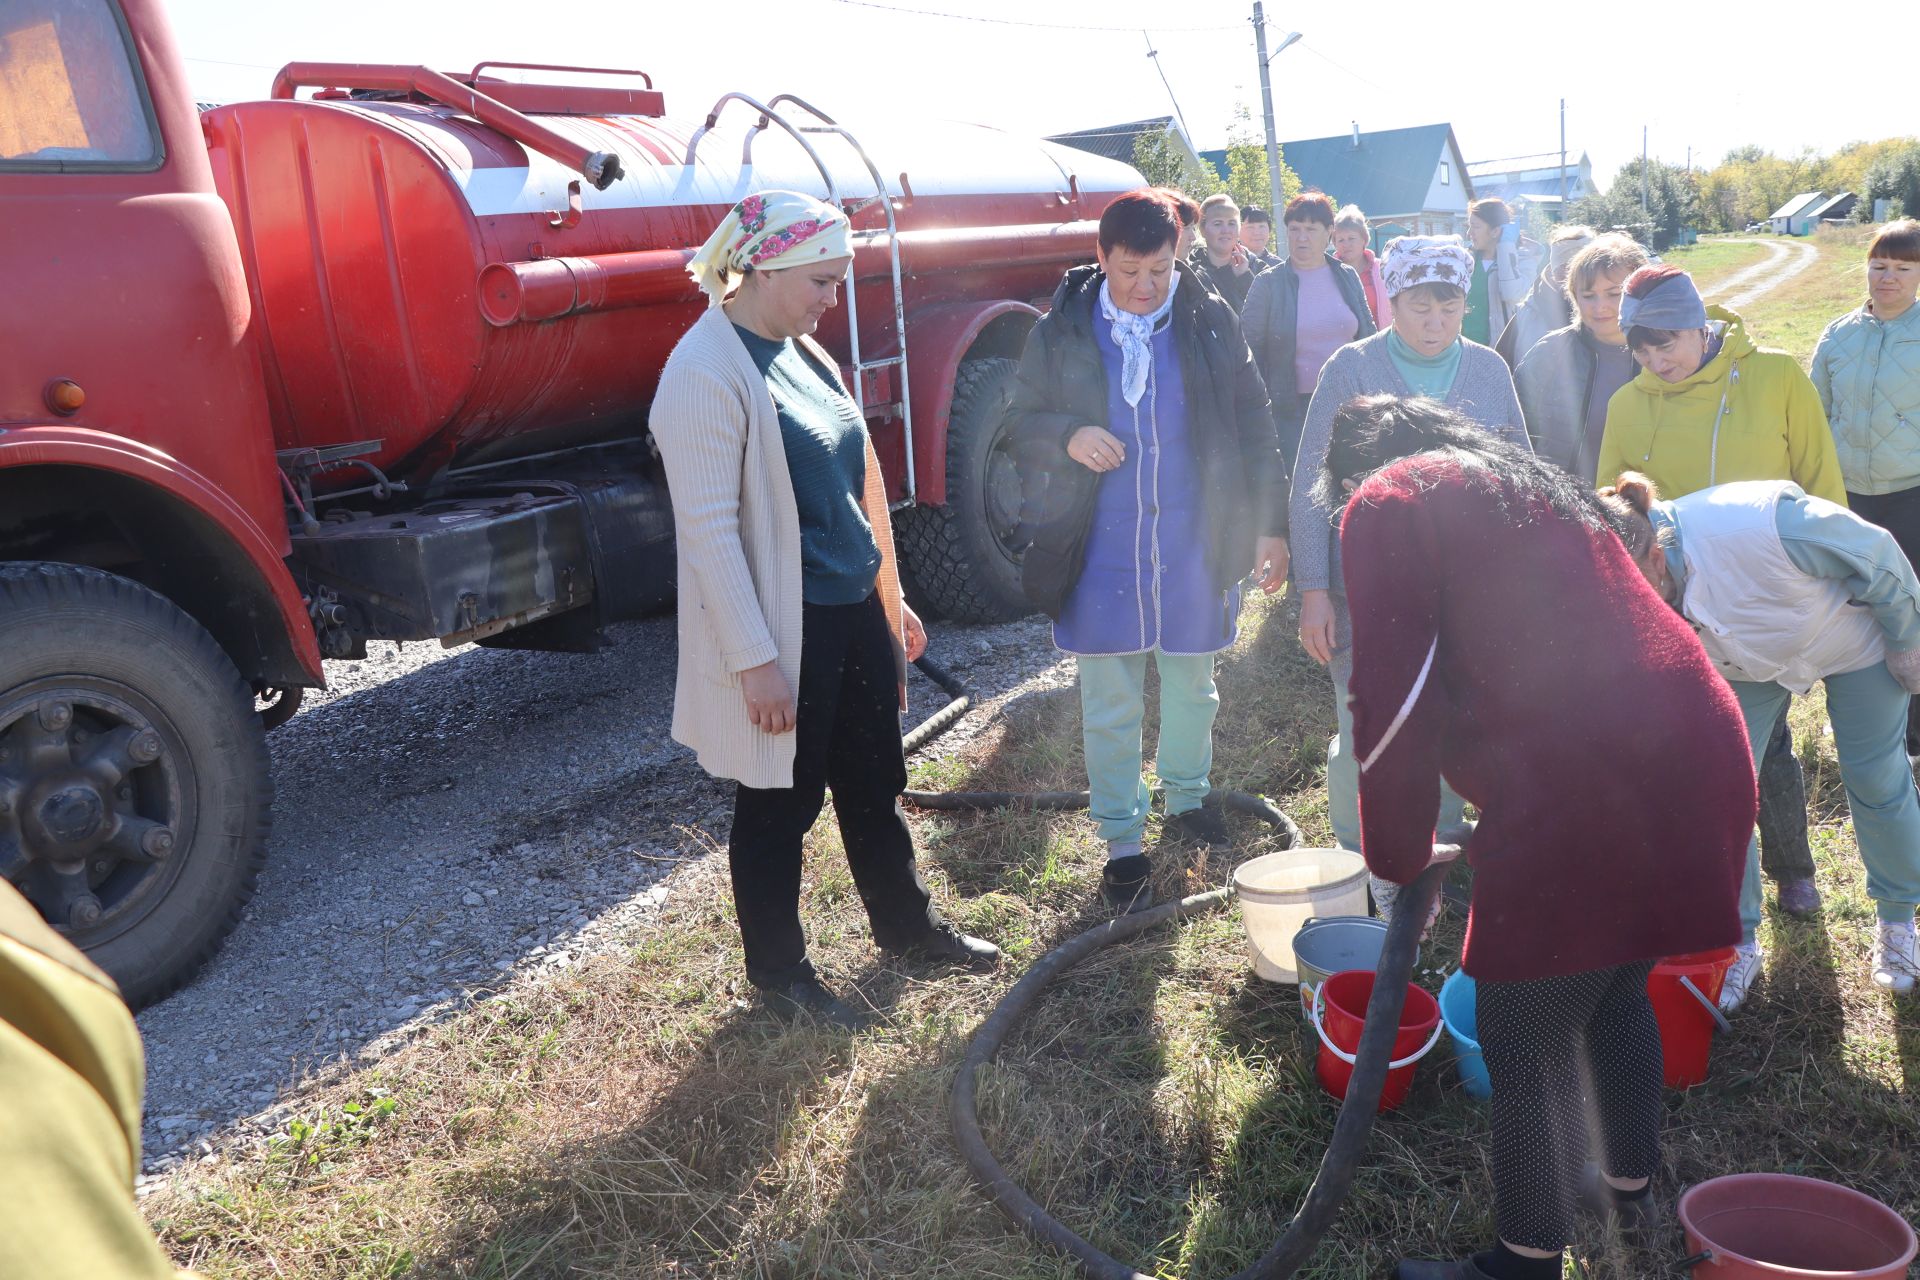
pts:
pixel 1574 709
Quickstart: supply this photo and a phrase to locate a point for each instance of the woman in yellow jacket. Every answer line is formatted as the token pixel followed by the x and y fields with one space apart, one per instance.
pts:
pixel 1709 406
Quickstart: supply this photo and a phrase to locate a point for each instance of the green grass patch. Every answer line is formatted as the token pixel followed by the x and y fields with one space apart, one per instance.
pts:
pixel 641 1117
pixel 1714 259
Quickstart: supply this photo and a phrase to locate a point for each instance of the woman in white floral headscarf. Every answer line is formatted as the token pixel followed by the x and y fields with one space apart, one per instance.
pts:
pixel 793 635
pixel 1421 353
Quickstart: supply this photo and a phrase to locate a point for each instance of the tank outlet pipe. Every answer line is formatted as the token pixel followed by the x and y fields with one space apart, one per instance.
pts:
pixel 533 290
pixel 601 168
pixel 549 288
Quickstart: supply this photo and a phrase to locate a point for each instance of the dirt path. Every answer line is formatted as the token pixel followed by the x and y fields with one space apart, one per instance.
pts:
pixel 1785 260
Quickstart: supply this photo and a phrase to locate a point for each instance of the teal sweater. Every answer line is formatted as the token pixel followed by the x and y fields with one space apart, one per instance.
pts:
pixel 1429 376
pixel 826 446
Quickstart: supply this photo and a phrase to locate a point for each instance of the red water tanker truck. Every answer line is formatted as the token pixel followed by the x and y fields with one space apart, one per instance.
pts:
pixel 371 359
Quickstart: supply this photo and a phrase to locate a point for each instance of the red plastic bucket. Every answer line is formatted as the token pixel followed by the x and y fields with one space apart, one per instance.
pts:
pixel 1340 1010
pixel 1774 1226
pixel 1683 990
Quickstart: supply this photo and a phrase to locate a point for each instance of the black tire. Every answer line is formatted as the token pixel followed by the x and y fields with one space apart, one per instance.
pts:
pixel 108 664
pixel 962 560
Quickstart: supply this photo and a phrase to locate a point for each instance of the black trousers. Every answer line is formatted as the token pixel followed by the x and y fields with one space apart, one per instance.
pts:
pixel 847 726
pixel 1899 514
pixel 1550 1045
pixel 1785 853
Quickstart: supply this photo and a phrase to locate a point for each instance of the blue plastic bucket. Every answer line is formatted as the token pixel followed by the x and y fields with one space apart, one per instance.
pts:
pixel 1457 1000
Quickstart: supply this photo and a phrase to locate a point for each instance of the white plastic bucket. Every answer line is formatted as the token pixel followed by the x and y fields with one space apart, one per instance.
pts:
pixel 1279 892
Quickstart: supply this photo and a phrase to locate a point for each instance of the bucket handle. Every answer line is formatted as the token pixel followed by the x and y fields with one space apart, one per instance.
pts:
pixel 1713 1010
pixel 1320 1029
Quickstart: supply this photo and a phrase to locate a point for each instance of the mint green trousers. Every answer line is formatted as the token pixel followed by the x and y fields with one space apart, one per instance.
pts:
pixel 1112 706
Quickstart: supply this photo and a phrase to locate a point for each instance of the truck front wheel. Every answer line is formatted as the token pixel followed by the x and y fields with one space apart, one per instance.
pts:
pixel 962 560
pixel 134 789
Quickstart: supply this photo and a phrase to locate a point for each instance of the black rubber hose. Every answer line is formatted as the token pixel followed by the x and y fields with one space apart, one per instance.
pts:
pixel 1350 1130
pixel 1375 1052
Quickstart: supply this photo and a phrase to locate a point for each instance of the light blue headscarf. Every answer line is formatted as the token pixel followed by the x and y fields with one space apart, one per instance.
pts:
pixel 1133 334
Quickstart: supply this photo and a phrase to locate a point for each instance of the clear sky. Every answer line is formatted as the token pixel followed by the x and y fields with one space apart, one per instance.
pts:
pixel 1707 76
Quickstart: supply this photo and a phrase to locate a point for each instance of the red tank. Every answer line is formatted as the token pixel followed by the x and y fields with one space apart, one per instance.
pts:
pixel 423 280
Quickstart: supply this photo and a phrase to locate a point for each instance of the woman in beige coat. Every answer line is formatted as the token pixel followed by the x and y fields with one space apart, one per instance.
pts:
pixel 793 635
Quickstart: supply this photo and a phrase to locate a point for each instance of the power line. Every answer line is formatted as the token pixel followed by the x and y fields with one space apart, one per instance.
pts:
pixel 1154 55
pixel 1015 22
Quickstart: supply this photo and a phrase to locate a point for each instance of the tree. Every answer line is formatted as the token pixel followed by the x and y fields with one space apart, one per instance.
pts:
pixel 1247 165
pixel 1672 204
pixel 1895 176
pixel 1163 162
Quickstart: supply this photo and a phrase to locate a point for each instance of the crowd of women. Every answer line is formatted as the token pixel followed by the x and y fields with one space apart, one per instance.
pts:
pixel 1565 537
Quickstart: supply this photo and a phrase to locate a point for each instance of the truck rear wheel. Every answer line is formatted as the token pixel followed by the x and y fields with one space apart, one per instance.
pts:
pixel 962 560
pixel 134 788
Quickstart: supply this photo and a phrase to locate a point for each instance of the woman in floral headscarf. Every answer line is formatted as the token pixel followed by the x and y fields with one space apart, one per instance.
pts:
pixel 793 635
pixel 1421 353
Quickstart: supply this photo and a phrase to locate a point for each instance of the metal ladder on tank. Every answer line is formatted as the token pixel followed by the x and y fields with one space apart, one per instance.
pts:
pixel 769 116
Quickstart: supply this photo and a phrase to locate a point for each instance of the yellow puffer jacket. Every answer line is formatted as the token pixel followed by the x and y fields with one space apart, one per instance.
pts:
pixel 71 1075
pixel 1748 414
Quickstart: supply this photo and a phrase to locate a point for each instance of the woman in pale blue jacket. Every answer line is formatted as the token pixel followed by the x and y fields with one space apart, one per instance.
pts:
pixel 1867 371
pixel 1784 590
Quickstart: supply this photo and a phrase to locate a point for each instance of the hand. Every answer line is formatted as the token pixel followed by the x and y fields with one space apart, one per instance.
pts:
pixel 1316 625
pixel 1096 449
pixel 916 632
pixel 1238 257
pixel 1905 667
pixel 1444 853
pixel 1270 561
pixel 769 701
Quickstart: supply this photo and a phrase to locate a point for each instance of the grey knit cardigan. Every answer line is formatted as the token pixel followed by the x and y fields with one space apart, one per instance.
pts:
pixel 1482 390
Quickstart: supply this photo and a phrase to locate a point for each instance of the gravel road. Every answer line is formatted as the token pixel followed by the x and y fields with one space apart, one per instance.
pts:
pixel 1785 259
pixel 448 823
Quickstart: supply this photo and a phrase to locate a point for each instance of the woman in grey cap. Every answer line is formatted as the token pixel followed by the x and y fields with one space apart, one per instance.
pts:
pixel 1710 406
pixel 1421 353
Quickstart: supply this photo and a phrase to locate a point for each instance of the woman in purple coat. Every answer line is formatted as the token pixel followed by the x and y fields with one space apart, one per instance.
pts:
pixel 1159 485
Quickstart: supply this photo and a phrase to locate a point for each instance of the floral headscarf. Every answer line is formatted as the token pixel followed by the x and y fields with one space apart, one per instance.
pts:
pixel 1416 260
pixel 768 231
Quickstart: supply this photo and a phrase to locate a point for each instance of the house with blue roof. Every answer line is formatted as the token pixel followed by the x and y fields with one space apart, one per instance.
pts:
pixel 1407 181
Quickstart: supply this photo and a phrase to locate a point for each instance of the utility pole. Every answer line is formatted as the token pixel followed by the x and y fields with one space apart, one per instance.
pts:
pixel 1266 102
pixel 1563 157
pixel 1643 171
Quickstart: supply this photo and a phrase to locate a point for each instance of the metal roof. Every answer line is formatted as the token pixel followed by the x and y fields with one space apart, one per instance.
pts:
pixel 1797 206
pixel 1829 208
pixel 1389 173
pixel 1115 141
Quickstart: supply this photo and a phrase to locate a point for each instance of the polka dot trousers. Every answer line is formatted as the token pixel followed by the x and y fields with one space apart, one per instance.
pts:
pixel 1568 1056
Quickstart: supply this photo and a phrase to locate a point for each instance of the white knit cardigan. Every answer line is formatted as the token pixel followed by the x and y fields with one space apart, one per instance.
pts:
pixel 737 533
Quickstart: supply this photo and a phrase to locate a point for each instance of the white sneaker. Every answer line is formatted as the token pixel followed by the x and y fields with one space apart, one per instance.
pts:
pixel 1386 895
pixel 1741 977
pixel 1896 956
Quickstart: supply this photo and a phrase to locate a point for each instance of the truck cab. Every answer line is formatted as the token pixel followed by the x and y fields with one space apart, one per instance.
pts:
pixel 144 593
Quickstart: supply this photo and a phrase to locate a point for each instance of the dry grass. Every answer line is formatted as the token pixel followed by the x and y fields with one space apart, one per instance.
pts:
pixel 1792 316
pixel 636 1119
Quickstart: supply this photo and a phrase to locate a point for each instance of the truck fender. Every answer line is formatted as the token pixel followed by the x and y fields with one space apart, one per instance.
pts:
pixel 264 551
pixel 939 338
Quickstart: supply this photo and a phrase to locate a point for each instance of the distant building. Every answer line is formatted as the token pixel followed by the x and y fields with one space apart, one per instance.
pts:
pixel 1407 181
pixel 1533 180
pixel 1116 141
pixel 1835 208
pixel 1794 217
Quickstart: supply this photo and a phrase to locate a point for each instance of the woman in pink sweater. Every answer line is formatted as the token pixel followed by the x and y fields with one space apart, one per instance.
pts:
pixel 1503 638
